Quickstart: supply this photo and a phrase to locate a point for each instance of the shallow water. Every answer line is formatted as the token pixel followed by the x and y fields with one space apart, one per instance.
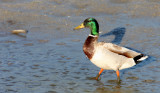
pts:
pixel 49 59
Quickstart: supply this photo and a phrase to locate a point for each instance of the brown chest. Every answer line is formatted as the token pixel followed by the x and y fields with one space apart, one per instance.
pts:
pixel 89 46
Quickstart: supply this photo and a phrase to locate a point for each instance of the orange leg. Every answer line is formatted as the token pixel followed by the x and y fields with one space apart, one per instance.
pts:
pixel 98 75
pixel 118 75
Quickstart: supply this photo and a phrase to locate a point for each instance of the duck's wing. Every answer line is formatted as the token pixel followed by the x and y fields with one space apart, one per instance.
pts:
pixel 119 50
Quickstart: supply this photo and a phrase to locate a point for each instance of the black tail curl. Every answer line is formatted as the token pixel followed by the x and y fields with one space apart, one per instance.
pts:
pixel 136 59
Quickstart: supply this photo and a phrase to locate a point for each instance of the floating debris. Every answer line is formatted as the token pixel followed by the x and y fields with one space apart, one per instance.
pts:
pixel 19 31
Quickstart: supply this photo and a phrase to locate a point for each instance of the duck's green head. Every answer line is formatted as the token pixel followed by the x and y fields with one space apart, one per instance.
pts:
pixel 90 23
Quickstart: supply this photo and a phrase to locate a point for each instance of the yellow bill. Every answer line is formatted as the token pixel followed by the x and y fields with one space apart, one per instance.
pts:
pixel 79 27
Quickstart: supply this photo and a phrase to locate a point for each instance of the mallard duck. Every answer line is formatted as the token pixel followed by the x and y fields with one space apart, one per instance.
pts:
pixel 107 56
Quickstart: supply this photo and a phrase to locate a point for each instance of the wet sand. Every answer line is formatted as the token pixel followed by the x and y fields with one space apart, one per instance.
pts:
pixel 49 58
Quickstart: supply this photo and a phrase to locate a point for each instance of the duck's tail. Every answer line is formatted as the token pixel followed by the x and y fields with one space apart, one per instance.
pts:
pixel 140 58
